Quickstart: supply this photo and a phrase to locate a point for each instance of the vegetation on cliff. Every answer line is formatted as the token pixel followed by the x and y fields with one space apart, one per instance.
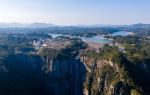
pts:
pixel 109 73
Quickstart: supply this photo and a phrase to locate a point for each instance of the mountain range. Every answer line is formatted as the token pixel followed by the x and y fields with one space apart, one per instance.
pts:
pixel 22 25
pixel 48 25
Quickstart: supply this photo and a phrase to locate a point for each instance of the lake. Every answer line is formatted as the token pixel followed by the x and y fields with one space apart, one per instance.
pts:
pixel 121 33
pixel 95 39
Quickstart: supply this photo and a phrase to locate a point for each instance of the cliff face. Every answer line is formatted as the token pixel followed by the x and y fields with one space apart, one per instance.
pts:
pixel 108 77
pixel 63 74
pixel 67 73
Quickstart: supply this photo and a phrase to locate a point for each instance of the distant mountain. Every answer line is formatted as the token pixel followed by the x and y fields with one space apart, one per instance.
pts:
pixel 21 25
pixel 141 25
pixel 94 25
pixel 41 25
pixel 48 25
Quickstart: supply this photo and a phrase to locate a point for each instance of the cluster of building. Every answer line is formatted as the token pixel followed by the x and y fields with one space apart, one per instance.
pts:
pixel 55 43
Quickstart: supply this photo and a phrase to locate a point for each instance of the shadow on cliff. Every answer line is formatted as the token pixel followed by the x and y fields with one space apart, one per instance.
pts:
pixel 140 72
pixel 66 77
pixel 21 75
pixel 83 77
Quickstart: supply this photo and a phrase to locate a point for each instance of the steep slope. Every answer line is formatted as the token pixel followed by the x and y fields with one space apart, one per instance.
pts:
pixel 63 73
pixel 108 73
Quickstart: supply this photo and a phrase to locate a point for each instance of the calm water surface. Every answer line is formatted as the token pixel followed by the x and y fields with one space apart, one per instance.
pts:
pixel 120 33
pixel 96 39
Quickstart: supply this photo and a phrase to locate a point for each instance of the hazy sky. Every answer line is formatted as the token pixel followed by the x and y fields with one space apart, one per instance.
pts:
pixel 68 12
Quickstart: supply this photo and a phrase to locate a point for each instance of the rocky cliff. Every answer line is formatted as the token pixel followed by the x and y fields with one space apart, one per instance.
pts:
pixel 88 72
pixel 63 72
pixel 108 75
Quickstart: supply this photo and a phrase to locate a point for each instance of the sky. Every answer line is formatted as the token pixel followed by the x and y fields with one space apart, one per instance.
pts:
pixel 74 12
